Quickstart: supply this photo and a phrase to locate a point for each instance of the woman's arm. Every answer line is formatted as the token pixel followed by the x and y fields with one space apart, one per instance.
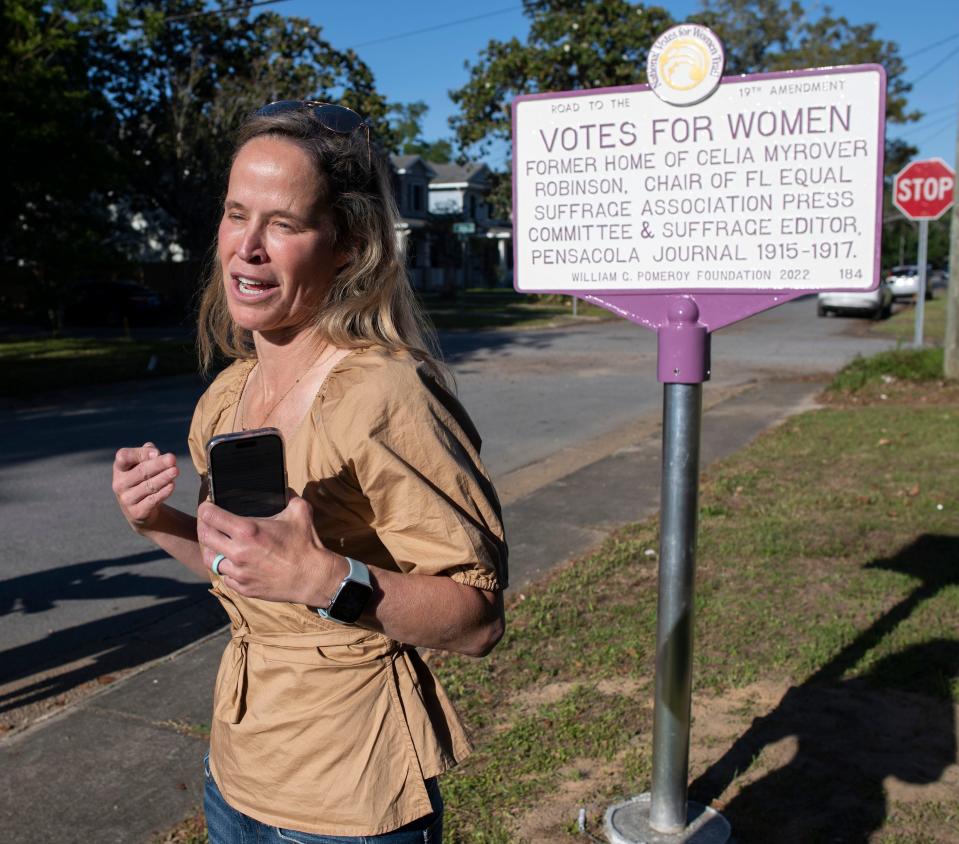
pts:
pixel 175 532
pixel 143 479
pixel 431 611
pixel 283 559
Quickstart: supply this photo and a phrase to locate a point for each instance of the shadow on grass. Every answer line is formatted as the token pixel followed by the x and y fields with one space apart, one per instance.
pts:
pixel 846 737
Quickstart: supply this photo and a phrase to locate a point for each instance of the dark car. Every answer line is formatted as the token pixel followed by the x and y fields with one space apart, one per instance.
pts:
pixel 111 302
pixel 938 278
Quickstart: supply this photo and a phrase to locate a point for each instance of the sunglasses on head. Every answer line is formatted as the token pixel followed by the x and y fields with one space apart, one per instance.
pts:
pixel 335 118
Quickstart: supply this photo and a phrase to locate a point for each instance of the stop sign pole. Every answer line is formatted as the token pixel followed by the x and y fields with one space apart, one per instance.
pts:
pixel 923 191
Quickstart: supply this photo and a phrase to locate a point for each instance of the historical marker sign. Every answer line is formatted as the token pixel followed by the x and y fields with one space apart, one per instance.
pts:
pixel 773 183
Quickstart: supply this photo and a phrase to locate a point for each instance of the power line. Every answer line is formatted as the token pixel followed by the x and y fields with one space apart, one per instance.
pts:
pixel 935 134
pixel 433 28
pixel 928 124
pixel 931 46
pixel 936 110
pixel 938 64
pixel 222 11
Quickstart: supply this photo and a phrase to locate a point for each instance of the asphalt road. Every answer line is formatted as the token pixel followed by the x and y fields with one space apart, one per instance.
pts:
pixel 81 595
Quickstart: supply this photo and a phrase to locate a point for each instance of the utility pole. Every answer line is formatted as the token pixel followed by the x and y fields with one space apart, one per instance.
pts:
pixel 950 358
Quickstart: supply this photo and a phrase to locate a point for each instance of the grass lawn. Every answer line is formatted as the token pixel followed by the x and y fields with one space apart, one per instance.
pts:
pixel 35 365
pixel 902 325
pixel 32 366
pixel 504 308
pixel 826 658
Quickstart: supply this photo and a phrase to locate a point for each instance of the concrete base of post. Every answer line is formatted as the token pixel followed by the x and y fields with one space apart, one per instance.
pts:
pixel 628 823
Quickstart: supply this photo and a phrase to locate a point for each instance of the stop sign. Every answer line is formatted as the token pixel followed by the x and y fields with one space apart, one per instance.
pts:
pixel 923 190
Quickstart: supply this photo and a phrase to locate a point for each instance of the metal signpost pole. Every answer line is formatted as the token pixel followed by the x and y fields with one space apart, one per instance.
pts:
pixel 664 814
pixel 682 414
pixel 921 295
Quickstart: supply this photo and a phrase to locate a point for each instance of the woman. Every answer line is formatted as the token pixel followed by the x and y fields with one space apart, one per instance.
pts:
pixel 325 730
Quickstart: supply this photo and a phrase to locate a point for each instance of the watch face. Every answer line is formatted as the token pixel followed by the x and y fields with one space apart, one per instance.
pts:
pixel 349 601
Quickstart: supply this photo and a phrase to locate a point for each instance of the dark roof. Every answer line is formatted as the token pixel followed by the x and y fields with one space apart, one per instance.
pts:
pixel 407 162
pixel 451 173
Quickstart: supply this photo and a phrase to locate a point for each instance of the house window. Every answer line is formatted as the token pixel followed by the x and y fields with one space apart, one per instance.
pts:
pixel 416 197
pixel 472 207
pixel 395 181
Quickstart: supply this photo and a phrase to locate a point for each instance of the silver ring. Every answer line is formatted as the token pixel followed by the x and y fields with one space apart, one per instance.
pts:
pixel 219 558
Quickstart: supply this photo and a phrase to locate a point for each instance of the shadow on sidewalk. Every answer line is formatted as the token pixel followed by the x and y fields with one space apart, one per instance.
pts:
pixel 459 346
pixel 849 740
pixel 184 613
pixel 119 414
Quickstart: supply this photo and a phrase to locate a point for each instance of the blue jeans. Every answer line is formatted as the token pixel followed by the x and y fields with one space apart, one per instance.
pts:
pixel 225 825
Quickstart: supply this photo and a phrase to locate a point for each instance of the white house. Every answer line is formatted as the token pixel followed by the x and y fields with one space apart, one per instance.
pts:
pixel 432 199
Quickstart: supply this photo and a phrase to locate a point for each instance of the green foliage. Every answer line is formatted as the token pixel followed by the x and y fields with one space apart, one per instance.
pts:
pixel 58 166
pixel 32 366
pixel 406 121
pixel 182 81
pixel 115 114
pixel 763 35
pixel 578 44
pixel 900 237
pixel 901 364
pixel 753 31
pixel 902 325
pixel 571 44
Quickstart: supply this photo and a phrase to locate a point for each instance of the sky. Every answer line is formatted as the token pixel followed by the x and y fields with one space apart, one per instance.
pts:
pixel 426 65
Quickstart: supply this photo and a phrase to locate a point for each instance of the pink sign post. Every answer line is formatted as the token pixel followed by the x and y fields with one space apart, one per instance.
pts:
pixel 684 206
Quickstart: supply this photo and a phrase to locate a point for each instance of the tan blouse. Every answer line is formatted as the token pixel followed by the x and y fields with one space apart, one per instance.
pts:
pixel 332 729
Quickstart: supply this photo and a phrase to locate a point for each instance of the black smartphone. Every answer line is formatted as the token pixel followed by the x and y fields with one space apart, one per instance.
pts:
pixel 247 472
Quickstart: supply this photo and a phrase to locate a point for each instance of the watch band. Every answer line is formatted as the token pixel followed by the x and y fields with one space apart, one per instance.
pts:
pixel 359 573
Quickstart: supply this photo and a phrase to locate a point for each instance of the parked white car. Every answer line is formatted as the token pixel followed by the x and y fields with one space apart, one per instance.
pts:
pixel 871 303
pixel 904 281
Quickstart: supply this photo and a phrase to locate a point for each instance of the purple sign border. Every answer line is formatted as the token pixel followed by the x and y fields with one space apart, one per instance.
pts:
pixel 714 307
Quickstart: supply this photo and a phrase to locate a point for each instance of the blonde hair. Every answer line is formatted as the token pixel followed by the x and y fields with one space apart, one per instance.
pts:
pixel 371 301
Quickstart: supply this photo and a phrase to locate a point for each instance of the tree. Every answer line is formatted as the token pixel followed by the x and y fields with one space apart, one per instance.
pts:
pixel 407 124
pixel 572 44
pixel 58 168
pixel 762 35
pixel 752 31
pixel 183 78
pixel 576 44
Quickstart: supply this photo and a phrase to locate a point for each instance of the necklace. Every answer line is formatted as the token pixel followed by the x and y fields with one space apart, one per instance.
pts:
pixel 288 390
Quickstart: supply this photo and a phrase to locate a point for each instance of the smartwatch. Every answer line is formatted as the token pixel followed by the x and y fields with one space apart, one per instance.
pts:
pixel 351 596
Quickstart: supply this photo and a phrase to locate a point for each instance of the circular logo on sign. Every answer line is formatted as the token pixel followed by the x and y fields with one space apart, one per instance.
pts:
pixel 685 64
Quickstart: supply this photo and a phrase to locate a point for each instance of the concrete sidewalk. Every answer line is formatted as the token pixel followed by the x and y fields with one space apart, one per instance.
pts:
pixel 124 765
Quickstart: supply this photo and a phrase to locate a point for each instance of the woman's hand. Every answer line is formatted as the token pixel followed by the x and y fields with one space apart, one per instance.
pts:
pixel 283 559
pixel 280 558
pixel 142 480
